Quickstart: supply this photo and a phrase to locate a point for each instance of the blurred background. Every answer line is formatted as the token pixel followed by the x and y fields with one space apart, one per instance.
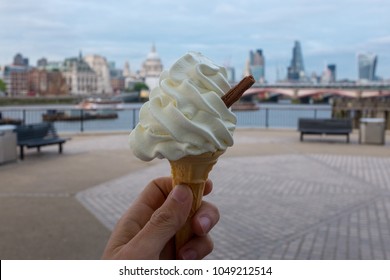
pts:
pixel 88 66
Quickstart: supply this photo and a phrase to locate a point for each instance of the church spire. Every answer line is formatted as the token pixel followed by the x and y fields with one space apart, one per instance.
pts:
pixel 126 69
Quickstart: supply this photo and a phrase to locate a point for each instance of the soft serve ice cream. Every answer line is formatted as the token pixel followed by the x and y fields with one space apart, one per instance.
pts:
pixel 187 121
pixel 185 114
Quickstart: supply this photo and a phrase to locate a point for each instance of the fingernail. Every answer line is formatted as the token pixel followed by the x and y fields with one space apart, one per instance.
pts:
pixel 205 223
pixel 180 193
pixel 189 254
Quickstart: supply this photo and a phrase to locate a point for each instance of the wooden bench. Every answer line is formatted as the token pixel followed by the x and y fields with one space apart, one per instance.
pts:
pixel 38 135
pixel 325 126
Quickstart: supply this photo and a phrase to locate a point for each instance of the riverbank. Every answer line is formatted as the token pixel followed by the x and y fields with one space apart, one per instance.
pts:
pixel 35 100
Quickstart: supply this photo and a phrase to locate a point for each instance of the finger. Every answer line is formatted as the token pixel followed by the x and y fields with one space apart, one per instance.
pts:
pixel 197 248
pixel 205 218
pixel 208 187
pixel 163 224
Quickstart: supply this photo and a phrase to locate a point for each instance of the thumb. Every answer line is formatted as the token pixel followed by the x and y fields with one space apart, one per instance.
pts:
pixel 165 221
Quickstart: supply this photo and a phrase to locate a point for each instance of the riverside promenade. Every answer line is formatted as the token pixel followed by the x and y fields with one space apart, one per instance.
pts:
pixel 279 198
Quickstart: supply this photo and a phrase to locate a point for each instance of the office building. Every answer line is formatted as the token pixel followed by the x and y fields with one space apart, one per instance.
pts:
pixel 131 78
pixel 296 70
pixel 329 74
pixel 19 60
pixel 332 68
pixel 47 79
pixel 231 74
pixel 80 77
pixel 16 76
pixel 16 80
pixel 101 68
pixel 257 65
pixel 43 82
pixel 117 78
pixel 367 66
pixel 42 62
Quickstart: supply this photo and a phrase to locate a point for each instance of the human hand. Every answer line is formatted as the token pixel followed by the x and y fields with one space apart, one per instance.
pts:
pixel 147 228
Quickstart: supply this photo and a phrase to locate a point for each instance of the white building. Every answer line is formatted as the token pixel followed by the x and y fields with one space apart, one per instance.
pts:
pixel 126 70
pixel 231 74
pixel 80 78
pixel 326 76
pixel 131 78
pixel 151 69
pixel 100 66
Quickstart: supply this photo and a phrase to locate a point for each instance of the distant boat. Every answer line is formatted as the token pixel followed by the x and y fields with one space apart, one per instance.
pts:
pixel 10 121
pixel 128 97
pixel 100 103
pixel 78 115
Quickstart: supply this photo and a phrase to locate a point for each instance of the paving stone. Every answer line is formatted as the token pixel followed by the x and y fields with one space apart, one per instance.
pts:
pixel 313 206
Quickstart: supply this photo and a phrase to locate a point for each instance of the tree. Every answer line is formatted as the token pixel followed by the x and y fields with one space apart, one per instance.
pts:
pixel 140 86
pixel 2 86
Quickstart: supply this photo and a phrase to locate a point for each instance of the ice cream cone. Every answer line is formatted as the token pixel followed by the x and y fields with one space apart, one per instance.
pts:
pixel 192 171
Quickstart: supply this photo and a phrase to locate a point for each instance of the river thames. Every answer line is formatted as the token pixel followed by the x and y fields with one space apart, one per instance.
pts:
pixel 268 116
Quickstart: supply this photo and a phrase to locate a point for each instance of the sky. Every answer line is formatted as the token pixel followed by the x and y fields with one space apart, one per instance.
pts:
pixel 330 32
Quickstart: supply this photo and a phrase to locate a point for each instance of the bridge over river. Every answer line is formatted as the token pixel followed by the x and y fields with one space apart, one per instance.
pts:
pixel 301 90
pixel 353 100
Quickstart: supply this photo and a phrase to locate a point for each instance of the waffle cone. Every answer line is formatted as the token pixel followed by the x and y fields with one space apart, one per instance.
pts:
pixel 192 171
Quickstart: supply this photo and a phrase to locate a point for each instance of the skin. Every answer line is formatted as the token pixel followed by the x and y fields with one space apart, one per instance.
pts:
pixel 147 229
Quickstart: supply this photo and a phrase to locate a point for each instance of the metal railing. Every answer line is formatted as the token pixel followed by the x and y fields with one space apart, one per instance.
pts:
pixel 79 120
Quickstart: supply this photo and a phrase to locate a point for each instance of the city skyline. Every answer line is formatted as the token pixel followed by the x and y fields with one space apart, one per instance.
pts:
pixel 225 31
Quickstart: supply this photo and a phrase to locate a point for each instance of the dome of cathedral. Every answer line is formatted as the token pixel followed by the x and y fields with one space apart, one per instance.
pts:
pixel 153 55
pixel 151 68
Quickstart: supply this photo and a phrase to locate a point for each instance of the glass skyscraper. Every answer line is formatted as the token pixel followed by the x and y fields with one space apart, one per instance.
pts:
pixel 257 65
pixel 367 66
pixel 332 69
pixel 296 70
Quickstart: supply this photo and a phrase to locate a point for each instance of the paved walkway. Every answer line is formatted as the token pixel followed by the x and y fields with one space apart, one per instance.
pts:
pixel 279 198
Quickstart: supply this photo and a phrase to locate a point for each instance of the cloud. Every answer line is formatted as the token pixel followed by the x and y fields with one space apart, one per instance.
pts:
pixel 124 30
pixel 383 40
pixel 229 10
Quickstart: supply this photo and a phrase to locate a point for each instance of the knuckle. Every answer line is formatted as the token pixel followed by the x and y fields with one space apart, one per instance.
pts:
pixel 163 219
